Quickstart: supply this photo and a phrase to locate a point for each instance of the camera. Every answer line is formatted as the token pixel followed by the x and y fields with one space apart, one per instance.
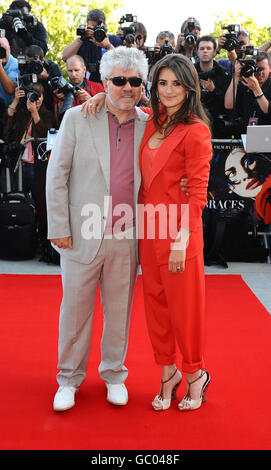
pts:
pixel 3 52
pixel 189 37
pixel 99 32
pixel 60 84
pixel 232 37
pixel 166 49
pixel 28 67
pixel 249 66
pixel 81 31
pixel 249 50
pixel 150 54
pixel 227 127
pixel 19 16
pixel 26 83
pixel 29 70
pixel 206 75
pixel 153 56
pixel 68 89
pixel 129 32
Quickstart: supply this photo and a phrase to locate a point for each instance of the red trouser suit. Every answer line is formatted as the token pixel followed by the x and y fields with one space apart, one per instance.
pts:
pixel 175 303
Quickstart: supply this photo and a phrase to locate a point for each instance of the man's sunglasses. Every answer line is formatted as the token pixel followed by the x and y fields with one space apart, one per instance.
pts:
pixel 121 81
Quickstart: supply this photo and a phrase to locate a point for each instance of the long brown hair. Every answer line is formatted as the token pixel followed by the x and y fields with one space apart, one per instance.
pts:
pixel 191 110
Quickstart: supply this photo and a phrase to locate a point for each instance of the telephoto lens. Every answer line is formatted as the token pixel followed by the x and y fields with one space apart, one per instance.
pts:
pixel 18 25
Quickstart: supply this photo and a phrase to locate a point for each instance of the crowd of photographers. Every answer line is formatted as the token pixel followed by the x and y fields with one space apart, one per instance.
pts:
pixel 34 95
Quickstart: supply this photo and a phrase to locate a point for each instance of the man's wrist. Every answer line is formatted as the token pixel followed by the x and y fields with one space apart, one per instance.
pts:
pixel 108 46
pixel 258 94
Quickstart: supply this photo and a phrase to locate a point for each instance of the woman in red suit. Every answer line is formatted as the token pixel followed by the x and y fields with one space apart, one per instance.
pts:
pixel 176 145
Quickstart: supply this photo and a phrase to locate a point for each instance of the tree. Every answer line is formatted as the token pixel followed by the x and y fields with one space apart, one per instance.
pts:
pixel 62 18
pixel 258 36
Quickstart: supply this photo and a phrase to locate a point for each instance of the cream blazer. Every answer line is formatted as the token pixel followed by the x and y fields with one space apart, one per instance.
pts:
pixel 78 174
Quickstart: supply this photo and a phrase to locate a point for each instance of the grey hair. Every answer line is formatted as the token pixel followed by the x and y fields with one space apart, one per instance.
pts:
pixel 126 58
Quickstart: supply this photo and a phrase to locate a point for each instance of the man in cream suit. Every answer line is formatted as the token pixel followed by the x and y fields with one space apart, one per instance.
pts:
pixel 92 173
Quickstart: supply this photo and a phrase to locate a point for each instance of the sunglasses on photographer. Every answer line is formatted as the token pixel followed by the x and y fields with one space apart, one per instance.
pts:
pixel 121 81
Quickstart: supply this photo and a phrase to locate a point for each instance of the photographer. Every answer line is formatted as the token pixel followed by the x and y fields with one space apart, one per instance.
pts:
pixel 186 41
pixel 242 41
pixel 8 72
pixel 134 35
pixel 49 70
pixel 165 44
pixel 81 88
pixel 27 117
pixel 165 37
pixel 22 28
pixel 249 92
pixel 90 48
pixel 214 81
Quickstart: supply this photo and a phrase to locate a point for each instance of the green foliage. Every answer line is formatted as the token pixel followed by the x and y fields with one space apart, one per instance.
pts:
pixel 258 36
pixel 62 18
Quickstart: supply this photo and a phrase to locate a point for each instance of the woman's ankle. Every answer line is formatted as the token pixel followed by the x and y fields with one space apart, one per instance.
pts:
pixel 194 375
pixel 168 371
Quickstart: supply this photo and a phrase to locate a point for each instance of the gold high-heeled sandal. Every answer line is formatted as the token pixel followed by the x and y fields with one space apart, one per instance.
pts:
pixel 160 403
pixel 188 403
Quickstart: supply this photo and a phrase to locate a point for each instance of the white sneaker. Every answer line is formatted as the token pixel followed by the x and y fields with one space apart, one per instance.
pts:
pixel 64 398
pixel 117 394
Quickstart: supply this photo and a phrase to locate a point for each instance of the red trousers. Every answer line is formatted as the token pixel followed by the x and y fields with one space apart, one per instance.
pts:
pixel 175 308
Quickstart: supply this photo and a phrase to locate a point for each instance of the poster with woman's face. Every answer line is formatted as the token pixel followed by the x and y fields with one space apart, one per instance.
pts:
pixel 240 181
pixel 242 173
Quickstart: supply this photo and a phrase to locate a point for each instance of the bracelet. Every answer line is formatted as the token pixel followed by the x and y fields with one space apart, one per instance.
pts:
pixel 107 47
pixel 13 109
pixel 258 96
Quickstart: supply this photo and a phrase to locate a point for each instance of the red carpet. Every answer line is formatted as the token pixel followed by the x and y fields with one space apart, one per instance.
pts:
pixel 237 414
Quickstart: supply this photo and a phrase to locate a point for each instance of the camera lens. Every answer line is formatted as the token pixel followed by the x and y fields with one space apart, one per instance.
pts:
pixel 99 33
pixel 36 67
pixel 18 25
pixel 247 71
pixel 190 39
pixel 33 96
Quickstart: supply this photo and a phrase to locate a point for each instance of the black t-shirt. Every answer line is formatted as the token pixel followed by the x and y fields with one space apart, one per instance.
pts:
pixel 214 100
pixel 247 105
pixel 92 55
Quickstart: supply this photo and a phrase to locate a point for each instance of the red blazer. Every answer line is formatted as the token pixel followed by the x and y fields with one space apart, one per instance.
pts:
pixel 185 153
